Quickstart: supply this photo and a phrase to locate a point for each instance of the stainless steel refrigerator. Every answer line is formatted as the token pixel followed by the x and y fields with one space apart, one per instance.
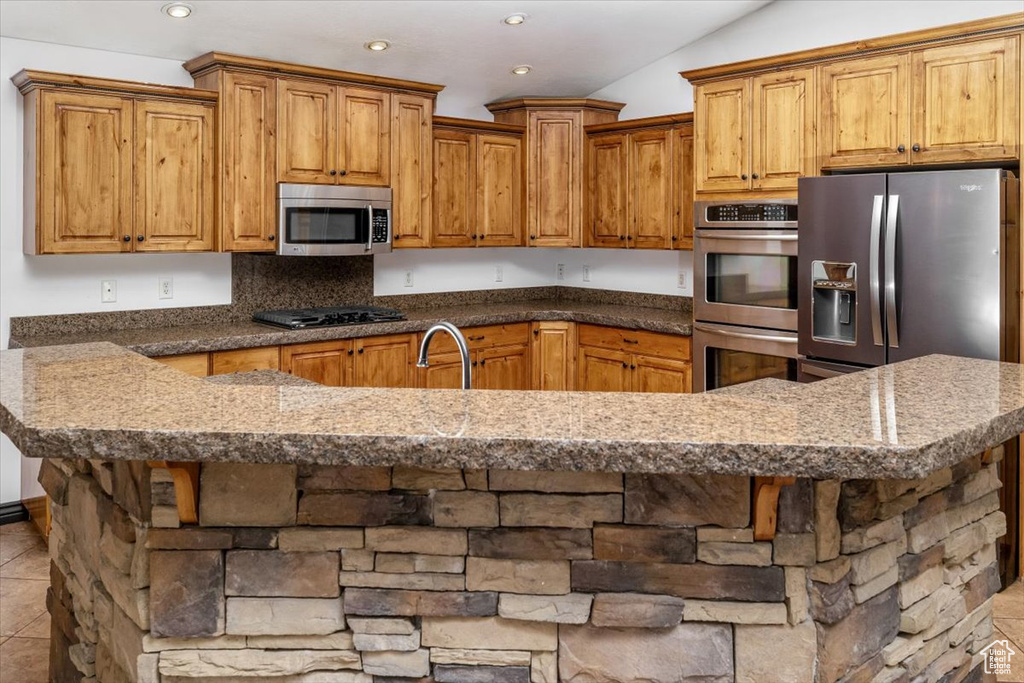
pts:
pixel 898 265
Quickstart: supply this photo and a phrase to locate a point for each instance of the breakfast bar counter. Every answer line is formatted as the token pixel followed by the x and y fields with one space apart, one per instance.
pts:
pixel 843 530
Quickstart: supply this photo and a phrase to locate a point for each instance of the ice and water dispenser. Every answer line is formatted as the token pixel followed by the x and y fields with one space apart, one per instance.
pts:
pixel 834 301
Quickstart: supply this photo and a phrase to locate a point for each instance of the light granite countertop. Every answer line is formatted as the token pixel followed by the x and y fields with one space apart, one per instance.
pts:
pixel 905 420
pixel 169 341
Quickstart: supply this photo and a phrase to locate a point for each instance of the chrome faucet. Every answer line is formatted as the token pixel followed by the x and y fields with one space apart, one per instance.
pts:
pixel 460 341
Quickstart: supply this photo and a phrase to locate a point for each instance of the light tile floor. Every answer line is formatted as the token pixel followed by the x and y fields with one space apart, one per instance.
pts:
pixel 25 625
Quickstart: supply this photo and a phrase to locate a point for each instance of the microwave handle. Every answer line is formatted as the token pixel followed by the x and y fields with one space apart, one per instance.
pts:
pixel 369 227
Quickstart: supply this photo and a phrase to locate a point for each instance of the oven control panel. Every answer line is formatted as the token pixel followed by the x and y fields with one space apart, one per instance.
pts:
pixel 759 214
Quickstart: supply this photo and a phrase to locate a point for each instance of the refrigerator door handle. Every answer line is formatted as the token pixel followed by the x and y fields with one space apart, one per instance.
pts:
pixel 876 248
pixel 890 270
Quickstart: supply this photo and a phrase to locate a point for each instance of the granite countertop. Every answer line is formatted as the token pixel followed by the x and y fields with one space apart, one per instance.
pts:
pixel 899 421
pixel 169 341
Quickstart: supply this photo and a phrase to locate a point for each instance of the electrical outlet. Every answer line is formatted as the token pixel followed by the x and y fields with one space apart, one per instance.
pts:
pixel 586 273
pixel 166 288
pixel 560 271
pixel 408 278
pixel 682 279
pixel 499 274
pixel 108 291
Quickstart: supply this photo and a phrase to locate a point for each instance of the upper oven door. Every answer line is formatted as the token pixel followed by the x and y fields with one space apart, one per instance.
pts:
pixel 746 277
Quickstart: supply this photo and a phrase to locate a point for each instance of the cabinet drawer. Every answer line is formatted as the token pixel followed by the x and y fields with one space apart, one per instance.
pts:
pixel 244 360
pixel 482 337
pixel 635 341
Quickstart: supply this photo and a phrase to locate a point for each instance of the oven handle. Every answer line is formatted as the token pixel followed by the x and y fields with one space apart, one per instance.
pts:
pixel 757 238
pixel 369 227
pixel 743 335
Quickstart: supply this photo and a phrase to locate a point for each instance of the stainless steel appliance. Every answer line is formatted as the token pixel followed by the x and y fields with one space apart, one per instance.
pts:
pixel 333 220
pixel 745 292
pixel 895 266
pixel 300 318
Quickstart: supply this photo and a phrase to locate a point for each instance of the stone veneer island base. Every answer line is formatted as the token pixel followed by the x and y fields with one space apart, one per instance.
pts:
pixel 335 574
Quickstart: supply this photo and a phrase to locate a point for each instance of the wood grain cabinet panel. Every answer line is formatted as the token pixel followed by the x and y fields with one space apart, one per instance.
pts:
pixel 722 135
pixel 321 362
pixel 554 178
pixel 607 190
pixel 84 173
pixel 454 198
pixel 499 190
pixel 682 187
pixel 503 367
pixel 783 128
pixel 602 370
pixel 965 102
pixel 650 187
pixel 411 169
pixel 195 364
pixel 865 117
pixel 444 372
pixel 245 360
pixel 386 361
pixel 364 137
pixel 174 176
pixel 647 361
pixel 307 114
pixel 553 356
pixel 660 375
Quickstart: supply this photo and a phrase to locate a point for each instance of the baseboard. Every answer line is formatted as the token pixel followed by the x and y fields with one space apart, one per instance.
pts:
pixel 13 512
pixel 37 508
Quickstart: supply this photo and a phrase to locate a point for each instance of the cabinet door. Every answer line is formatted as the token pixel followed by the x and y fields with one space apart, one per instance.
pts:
pixel 865 112
pixel 650 190
pixel 195 364
pixel 782 126
pixel 248 162
pixel 174 176
pixel 607 190
pixel 682 187
pixel 84 173
pixel 602 370
pixel 328 363
pixel 245 360
pixel 660 375
pixel 499 190
pixel 386 361
pixel 722 135
pixel 454 199
pixel 553 356
pixel 553 178
pixel 965 102
pixel 364 137
pixel 307 112
pixel 412 169
pixel 503 367
pixel 444 372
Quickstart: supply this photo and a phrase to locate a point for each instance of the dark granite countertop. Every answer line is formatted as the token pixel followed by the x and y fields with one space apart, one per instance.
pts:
pixel 897 421
pixel 170 341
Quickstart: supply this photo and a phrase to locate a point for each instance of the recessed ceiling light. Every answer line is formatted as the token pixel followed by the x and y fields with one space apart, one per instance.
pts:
pixel 377 45
pixel 177 10
pixel 515 19
pixel 521 70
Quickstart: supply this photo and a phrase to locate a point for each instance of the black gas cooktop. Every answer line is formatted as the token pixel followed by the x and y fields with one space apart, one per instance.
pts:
pixel 300 318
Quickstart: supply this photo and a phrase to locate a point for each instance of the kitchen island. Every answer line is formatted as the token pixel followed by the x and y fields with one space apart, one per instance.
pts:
pixel 837 531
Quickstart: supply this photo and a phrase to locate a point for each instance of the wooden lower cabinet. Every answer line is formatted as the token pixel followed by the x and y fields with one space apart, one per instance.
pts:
pixel 195 364
pixel 660 375
pixel 444 372
pixel 499 359
pixel 614 359
pixel 553 356
pixel 503 367
pixel 385 361
pixel 245 360
pixel 321 362
pixel 603 370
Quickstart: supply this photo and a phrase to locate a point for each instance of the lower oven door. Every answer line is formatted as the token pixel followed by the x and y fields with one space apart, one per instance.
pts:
pixel 724 355
pixel 746 277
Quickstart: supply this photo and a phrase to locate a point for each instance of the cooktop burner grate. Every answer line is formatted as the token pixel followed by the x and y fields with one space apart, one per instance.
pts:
pixel 301 318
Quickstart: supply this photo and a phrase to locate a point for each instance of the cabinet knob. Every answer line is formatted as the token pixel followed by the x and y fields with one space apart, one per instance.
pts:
pixel 916 147
pixel 754 176
pixel 270 238
pixel 474 236
pixel 343 172
pixel 632 367
pixel 482 236
pixel 333 172
pixel 625 365
pixel 360 350
pixel 901 149
pixel 483 362
pixel 622 237
pixel 533 237
pixel 141 238
pixel 127 238
pixel 629 237
pixel 743 177
pixel 536 333
pixel 474 364
pixel 395 237
pixel 674 238
pixel 350 352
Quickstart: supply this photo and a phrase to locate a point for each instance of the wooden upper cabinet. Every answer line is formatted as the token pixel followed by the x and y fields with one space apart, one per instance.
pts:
pixel 307 113
pixel 682 187
pixel 499 190
pixel 553 356
pixel 174 176
pixel 386 361
pixel 554 178
pixel 364 139
pixel 865 112
pixel 965 102
pixel 607 190
pixel 783 126
pixel 411 169
pixel 248 160
pixel 454 195
pixel 83 172
pixel 722 135
pixel 652 213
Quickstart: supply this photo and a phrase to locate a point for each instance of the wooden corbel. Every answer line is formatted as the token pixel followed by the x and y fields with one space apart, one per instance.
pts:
pixel 766 505
pixel 186 487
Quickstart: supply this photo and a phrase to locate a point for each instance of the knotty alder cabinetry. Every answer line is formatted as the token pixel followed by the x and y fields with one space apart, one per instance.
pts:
pixel 478 184
pixel 613 359
pixel 114 166
pixel 553 356
pixel 499 356
pixel 384 361
pixel 639 187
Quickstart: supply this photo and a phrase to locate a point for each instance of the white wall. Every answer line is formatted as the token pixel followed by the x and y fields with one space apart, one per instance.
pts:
pixel 40 285
pixel 785 26
pixel 447 270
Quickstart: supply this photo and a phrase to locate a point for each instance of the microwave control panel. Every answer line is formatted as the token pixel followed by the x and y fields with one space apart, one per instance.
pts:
pixel 380 225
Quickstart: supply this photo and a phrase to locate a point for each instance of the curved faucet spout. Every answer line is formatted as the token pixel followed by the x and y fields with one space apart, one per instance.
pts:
pixel 460 341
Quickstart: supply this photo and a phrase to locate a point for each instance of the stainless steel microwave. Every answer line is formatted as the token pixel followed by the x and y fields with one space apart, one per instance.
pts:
pixel 333 220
